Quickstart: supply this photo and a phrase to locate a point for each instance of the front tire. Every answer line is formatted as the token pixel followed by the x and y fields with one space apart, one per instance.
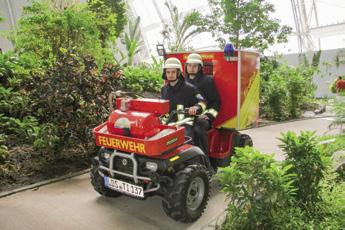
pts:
pixel 97 182
pixel 187 198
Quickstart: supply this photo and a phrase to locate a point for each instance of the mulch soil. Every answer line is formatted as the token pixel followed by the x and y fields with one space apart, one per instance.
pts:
pixel 26 166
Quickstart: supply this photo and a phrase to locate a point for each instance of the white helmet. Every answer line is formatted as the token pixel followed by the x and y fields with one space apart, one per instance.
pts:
pixel 194 58
pixel 173 63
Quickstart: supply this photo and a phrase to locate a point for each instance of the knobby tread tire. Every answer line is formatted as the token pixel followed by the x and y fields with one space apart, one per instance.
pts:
pixel 245 140
pixel 97 182
pixel 175 201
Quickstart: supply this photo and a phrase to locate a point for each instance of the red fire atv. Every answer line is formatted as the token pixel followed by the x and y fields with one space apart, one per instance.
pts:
pixel 141 156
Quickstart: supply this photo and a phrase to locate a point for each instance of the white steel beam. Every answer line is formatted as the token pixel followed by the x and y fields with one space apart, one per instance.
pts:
pixel 328 30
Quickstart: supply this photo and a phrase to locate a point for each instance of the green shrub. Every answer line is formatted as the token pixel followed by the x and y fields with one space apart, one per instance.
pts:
pixel 47 138
pixel 308 163
pixel 339 110
pixel 28 131
pixel 71 97
pixel 59 107
pixel 257 188
pixel 13 103
pixel 14 71
pixel 337 144
pixel 332 86
pixel 25 129
pixel 109 23
pixel 301 193
pixel 44 31
pixel 330 214
pixel 285 89
pixel 332 207
pixel 55 87
pixel 142 78
pixel 3 148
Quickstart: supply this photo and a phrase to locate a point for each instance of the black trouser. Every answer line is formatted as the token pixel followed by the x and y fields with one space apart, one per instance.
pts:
pixel 189 132
pixel 200 128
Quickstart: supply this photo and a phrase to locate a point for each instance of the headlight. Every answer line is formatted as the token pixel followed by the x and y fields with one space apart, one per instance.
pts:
pixel 151 166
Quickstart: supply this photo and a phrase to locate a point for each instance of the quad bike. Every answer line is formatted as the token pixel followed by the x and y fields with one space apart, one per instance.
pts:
pixel 143 156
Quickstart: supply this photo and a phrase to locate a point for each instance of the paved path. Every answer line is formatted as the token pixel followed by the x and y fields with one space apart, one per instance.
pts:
pixel 266 138
pixel 72 204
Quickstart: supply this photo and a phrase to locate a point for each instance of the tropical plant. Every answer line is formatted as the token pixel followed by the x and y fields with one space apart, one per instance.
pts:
pixel 309 164
pixel 132 40
pixel 43 32
pixel 285 89
pixel 69 96
pixel 60 4
pixel 25 129
pixel 332 207
pixel 119 8
pixel 245 23
pixel 111 17
pixel 257 188
pixel 14 71
pixel 142 78
pixel 157 63
pixel 339 110
pixel 3 148
pixel 181 28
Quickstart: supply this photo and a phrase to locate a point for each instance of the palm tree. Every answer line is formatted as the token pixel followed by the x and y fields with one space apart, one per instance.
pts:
pixel 132 41
pixel 181 28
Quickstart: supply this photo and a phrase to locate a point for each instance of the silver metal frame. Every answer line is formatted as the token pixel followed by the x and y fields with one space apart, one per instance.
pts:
pixel 134 175
pixel 238 89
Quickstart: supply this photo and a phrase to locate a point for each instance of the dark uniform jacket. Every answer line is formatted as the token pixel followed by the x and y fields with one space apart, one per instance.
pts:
pixel 182 93
pixel 207 88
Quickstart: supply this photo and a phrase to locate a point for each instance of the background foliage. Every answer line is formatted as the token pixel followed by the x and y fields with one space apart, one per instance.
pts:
pixel 285 89
pixel 257 188
pixel 111 18
pixel 181 28
pixel 308 164
pixel 339 110
pixel 54 86
pixel 246 24
pixel 44 32
pixel 302 192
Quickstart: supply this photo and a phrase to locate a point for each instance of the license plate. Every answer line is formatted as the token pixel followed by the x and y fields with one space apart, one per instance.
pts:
pixel 124 187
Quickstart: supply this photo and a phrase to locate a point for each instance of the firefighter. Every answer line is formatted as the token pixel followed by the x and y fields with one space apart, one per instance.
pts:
pixel 207 88
pixel 179 92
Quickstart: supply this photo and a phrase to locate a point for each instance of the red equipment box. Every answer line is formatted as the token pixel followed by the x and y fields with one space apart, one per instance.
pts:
pixel 168 138
pixel 238 82
pixel 156 106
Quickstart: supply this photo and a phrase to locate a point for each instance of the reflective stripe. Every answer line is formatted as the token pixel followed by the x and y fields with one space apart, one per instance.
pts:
pixel 213 112
pixel 189 123
pixel 188 120
pixel 202 105
pixel 165 119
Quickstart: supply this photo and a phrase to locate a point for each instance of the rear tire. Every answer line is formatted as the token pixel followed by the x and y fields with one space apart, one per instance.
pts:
pixel 97 182
pixel 245 140
pixel 187 198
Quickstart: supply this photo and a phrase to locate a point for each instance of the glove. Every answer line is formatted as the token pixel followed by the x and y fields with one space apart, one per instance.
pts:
pixel 204 117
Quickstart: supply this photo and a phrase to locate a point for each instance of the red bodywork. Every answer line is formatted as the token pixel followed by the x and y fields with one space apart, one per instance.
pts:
pixel 238 87
pixel 226 77
pixel 147 135
pixel 239 92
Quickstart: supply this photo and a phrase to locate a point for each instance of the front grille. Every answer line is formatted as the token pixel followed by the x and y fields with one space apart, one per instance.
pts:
pixel 119 165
